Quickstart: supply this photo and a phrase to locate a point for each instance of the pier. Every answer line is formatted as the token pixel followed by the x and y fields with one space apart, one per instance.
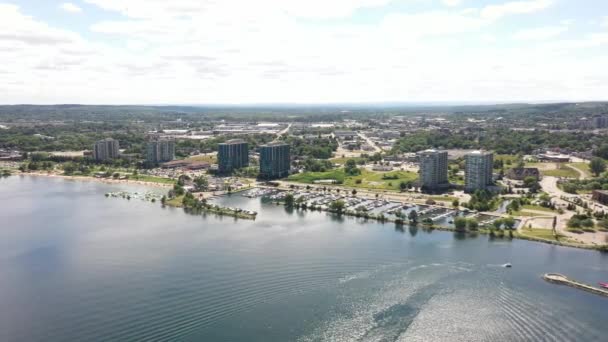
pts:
pixel 563 280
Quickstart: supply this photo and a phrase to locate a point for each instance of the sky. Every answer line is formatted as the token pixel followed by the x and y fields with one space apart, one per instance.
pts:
pixel 308 51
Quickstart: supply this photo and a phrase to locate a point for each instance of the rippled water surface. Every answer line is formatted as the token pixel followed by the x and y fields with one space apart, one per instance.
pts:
pixel 76 266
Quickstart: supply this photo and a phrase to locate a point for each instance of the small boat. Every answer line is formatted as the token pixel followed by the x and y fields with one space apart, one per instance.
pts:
pixel 507 265
pixel 604 285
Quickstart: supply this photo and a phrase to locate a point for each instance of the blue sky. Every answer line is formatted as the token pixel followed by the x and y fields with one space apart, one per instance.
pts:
pixel 315 51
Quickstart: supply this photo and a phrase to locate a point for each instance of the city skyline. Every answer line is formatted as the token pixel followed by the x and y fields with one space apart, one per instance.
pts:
pixel 366 51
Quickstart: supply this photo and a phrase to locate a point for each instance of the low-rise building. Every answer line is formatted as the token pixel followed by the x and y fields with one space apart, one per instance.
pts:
pixel 521 173
pixel 600 196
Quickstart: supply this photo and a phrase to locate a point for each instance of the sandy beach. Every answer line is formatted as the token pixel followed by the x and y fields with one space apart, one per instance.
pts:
pixel 101 180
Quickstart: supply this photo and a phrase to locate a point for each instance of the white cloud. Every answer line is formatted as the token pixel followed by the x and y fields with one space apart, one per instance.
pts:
pixel 540 33
pixel 451 3
pixel 605 22
pixel 187 51
pixel 191 8
pixel 516 7
pixel 70 7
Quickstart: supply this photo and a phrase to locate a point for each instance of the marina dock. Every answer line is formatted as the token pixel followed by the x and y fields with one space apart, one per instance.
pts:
pixel 563 280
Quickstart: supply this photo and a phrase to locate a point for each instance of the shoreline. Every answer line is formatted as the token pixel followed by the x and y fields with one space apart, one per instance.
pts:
pixel 94 179
pixel 517 234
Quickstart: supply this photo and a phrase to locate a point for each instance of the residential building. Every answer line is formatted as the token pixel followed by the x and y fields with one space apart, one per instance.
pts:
pixel 106 149
pixel 478 170
pixel 232 155
pixel 600 196
pixel 160 151
pixel 433 169
pixel 521 173
pixel 345 135
pixel 275 161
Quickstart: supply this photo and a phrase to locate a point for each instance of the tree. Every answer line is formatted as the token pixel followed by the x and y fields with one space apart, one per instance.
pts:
pixel 554 224
pixel 497 224
pixel 514 205
pixel 178 190
pixel 354 192
pixel 455 203
pixel 472 224
pixel 509 222
pixel 413 217
pixel 337 206
pixel 350 168
pixel 289 200
pixel 597 166
pixel 460 224
pixel 300 200
pixel 399 213
pixel 403 186
pixel 201 183
pixel 532 184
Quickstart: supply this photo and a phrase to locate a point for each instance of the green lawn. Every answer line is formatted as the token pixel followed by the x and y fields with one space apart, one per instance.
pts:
pixel 208 159
pixel 538 208
pixel 527 214
pixel 562 170
pixel 546 234
pixel 505 158
pixel 375 180
pixel 368 179
pixel 175 202
pixel 583 166
pixel 311 177
pixel 152 179
pixel 445 198
pixel 342 161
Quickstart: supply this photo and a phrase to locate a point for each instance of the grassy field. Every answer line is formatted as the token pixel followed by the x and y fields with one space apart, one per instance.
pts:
pixel 445 198
pixel 175 202
pixel 507 158
pixel 342 161
pixel 377 180
pixel 546 234
pixel 528 214
pixel 537 208
pixel 582 166
pixel 152 179
pixel 311 177
pixel 208 159
pixel 366 180
pixel 555 170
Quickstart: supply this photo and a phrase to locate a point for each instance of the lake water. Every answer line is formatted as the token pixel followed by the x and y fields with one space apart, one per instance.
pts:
pixel 77 266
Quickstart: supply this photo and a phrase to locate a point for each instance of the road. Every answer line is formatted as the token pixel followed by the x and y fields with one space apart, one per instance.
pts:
pixel 549 185
pixel 370 142
pixel 283 132
pixel 582 174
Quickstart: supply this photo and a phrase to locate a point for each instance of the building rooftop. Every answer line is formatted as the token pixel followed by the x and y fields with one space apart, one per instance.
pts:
pixel 275 143
pixel 234 141
pixel 479 153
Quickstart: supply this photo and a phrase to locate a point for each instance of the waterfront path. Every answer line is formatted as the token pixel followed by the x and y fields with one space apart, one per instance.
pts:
pixel 563 280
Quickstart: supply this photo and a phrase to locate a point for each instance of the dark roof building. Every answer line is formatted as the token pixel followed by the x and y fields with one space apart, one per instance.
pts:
pixel 232 155
pixel 521 173
pixel 600 196
pixel 275 161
